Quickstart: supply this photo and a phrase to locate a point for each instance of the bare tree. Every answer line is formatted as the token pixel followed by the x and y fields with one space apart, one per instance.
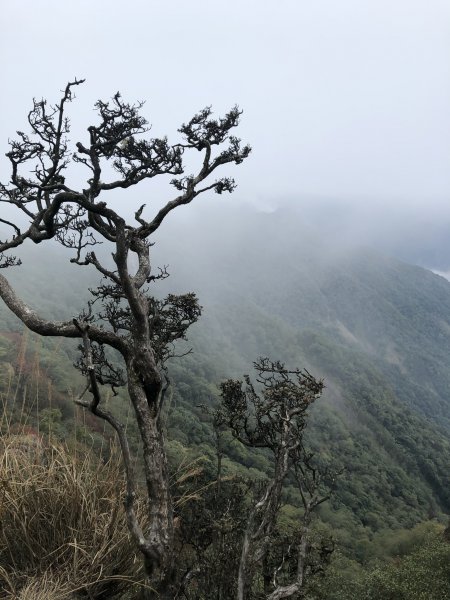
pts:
pixel 274 418
pixel 123 314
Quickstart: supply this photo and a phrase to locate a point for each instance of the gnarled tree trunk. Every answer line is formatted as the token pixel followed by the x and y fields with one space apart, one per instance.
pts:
pixel 127 317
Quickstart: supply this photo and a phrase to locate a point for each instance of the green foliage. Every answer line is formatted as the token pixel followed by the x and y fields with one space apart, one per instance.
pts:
pixel 50 423
pixel 420 571
pixel 422 575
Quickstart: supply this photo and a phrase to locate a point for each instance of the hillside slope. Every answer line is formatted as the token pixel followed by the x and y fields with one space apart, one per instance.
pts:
pixel 376 329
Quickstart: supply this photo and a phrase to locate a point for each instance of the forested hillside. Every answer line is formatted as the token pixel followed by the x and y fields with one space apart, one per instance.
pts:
pixel 375 329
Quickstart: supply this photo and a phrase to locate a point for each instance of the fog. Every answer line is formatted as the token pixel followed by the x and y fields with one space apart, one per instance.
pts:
pixel 345 103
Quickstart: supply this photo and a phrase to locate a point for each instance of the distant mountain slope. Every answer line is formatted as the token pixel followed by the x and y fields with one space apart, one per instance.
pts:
pixel 376 329
pixel 396 314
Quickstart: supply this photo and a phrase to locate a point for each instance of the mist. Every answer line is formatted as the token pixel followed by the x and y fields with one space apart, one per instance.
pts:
pixel 345 103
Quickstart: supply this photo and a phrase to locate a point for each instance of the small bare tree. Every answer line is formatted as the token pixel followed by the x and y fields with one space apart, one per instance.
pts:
pixel 274 418
pixel 129 319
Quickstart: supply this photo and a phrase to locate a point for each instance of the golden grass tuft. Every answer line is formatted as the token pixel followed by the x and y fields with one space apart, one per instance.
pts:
pixel 63 531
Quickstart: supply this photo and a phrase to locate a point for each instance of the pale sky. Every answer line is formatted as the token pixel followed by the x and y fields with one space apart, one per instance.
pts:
pixel 342 98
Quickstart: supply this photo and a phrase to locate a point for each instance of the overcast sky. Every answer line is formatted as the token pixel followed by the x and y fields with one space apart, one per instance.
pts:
pixel 342 98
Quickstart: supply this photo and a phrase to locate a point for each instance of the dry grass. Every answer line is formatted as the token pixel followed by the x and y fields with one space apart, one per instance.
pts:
pixel 63 532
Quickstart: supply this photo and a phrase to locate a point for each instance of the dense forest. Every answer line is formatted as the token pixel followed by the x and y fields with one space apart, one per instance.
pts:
pixel 376 330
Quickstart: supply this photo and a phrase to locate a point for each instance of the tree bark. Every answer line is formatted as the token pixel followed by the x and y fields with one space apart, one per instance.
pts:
pixel 159 559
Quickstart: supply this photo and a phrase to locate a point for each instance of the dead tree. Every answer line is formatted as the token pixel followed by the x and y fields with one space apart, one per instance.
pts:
pixel 123 314
pixel 274 418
